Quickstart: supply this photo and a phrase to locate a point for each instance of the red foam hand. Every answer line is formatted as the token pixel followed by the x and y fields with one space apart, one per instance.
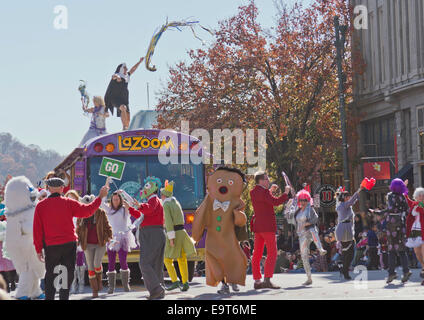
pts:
pixel 368 183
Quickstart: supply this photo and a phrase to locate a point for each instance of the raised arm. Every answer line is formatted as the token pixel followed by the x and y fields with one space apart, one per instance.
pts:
pixel 81 210
pixel 354 198
pixel 275 201
pixel 411 204
pixel 134 68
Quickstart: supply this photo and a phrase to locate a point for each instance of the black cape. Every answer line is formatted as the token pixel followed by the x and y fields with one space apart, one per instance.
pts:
pixel 116 95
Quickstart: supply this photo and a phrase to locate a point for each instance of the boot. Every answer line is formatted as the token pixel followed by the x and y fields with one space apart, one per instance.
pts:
pixel 111 278
pixel 308 282
pixel 406 276
pixel 81 278
pixel 185 286
pixel 269 285
pixel 74 282
pixel 125 279
pixel 391 278
pixel 94 286
pixel 173 286
pixel 99 280
pixel 258 285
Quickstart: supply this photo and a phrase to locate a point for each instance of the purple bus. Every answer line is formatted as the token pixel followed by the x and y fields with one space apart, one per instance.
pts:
pixel 139 149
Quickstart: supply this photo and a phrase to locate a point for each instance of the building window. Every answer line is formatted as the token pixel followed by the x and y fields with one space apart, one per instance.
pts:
pixel 378 137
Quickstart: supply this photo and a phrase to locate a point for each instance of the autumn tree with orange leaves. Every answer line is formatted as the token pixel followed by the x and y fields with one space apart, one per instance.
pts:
pixel 283 80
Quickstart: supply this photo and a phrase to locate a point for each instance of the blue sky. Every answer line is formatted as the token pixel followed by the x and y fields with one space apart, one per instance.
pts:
pixel 42 66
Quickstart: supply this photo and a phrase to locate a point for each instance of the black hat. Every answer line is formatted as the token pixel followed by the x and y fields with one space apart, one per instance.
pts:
pixel 55 182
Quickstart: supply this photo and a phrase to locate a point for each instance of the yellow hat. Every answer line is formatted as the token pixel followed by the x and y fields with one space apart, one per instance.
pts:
pixel 168 190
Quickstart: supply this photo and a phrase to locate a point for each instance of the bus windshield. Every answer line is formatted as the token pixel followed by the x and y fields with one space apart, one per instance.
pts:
pixel 188 178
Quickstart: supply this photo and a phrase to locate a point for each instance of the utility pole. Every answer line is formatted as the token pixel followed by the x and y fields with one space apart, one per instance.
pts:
pixel 340 44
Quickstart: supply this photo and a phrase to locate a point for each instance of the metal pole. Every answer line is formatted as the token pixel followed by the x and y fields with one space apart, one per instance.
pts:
pixel 339 43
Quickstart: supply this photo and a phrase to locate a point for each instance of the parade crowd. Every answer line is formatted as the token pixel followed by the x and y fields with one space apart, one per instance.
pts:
pixel 76 232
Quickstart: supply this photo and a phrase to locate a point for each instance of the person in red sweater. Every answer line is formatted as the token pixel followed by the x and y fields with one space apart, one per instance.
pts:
pixel 264 225
pixel 54 231
pixel 152 237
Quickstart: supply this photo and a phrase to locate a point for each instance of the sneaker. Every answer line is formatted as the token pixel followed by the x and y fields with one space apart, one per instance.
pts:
pixel 235 287
pixel 307 282
pixel 406 276
pixel 225 289
pixel 391 278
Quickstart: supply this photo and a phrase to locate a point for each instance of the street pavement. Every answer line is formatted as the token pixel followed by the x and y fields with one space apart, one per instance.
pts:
pixel 326 286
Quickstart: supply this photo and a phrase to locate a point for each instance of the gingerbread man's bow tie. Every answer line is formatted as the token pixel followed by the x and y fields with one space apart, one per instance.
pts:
pixel 220 205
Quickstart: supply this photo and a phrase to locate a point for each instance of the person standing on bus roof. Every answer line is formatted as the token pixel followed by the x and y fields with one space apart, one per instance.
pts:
pixel 117 94
pixel 264 225
pixel 98 120
pixel 152 237
pixel 54 231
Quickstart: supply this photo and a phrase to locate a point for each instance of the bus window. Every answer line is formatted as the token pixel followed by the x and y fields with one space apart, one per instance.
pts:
pixel 132 180
pixel 188 178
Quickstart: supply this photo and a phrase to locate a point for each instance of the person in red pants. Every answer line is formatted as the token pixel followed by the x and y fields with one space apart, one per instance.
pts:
pixel 264 225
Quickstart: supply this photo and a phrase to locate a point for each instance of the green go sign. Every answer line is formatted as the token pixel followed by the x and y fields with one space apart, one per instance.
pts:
pixel 112 168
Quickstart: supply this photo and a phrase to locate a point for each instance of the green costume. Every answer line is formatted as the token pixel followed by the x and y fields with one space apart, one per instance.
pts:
pixel 174 216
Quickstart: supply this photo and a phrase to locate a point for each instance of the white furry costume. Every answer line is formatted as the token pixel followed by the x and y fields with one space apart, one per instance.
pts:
pixel 20 199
